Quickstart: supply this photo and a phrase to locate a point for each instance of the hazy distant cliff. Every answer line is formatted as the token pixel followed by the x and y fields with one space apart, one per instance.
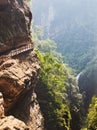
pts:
pixel 72 24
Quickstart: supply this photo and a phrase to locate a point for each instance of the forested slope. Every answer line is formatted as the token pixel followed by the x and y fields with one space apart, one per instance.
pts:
pixel 73 25
pixel 57 89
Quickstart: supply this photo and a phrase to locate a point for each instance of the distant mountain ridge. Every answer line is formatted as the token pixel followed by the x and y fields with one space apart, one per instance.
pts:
pixel 72 24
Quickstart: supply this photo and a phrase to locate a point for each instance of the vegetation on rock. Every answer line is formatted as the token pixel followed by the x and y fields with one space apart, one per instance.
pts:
pixel 74 35
pixel 53 103
pixel 92 115
pixel 57 89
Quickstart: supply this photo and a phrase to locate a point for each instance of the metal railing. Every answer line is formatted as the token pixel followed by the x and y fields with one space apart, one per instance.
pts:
pixel 16 52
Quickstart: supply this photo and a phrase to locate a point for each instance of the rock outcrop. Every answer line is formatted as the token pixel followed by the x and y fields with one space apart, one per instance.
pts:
pixel 15 19
pixel 18 73
pixel 11 123
pixel 1 106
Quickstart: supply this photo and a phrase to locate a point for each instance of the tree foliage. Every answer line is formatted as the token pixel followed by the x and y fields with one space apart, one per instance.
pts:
pixel 92 115
pixel 60 99
pixel 45 45
pixel 56 112
pixel 74 31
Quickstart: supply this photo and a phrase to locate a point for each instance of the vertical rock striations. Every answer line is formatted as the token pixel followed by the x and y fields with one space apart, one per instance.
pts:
pixel 18 74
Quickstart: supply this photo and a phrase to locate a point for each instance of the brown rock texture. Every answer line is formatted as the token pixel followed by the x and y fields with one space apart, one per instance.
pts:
pixel 11 123
pixel 15 19
pixel 18 73
pixel 16 76
pixel 1 106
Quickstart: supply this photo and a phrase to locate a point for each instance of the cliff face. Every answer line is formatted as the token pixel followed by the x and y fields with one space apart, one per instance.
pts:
pixel 18 73
pixel 15 18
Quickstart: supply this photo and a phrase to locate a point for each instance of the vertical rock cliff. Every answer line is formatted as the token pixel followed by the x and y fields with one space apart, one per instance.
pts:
pixel 18 69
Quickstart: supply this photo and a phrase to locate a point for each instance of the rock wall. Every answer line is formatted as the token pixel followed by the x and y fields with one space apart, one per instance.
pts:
pixel 19 73
pixel 15 19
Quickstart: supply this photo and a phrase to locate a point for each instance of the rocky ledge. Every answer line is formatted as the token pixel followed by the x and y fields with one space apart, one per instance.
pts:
pixel 18 78
pixel 19 107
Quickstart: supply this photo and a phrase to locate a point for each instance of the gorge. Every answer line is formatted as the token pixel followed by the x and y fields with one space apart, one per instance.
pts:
pixel 72 27
pixel 48 72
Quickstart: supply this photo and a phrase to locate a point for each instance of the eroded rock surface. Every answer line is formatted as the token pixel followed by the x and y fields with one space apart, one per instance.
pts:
pixel 18 78
pixel 18 73
pixel 1 106
pixel 11 123
pixel 15 19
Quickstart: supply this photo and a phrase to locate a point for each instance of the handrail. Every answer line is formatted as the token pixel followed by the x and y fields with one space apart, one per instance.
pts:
pixel 17 51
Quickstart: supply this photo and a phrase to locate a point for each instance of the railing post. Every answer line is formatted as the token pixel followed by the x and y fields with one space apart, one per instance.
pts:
pixel 17 51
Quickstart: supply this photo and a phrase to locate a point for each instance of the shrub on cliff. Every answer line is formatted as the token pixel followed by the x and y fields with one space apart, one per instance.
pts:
pixel 57 86
pixel 51 87
pixel 92 115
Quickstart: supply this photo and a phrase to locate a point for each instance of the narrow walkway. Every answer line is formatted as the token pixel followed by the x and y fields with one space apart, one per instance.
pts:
pixel 16 52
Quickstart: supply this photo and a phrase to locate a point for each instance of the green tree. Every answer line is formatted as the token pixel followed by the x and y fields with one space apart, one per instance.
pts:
pixel 58 85
pixel 45 45
pixel 92 115
pixel 52 100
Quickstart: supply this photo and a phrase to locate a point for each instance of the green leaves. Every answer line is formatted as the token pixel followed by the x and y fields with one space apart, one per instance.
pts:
pixel 52 77
pixel 92 115
pixel 45 45
pixel 57 89
pixel 52 72
pixel 28 1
